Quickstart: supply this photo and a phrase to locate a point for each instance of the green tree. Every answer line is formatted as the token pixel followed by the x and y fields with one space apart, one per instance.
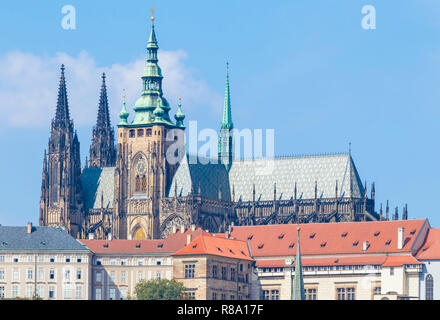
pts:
pixel 159 289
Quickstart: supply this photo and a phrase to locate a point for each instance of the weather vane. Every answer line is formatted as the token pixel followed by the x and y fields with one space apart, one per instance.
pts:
pixel 152 14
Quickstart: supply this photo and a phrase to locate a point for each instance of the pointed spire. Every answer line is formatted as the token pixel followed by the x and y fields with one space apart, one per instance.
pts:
pixel 227 114
pixel 295 190
pixel 381 213
pixel 387 212
pixel 298 290
pixel 62 116
pixel 103 119
pixel 336 189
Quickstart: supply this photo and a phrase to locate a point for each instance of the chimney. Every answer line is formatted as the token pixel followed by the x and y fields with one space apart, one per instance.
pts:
pixel 365 246
pixel 193 227
pixel 91 236
pixel 29 228
pixel 182 229
pixel 188 238
pixel 400 237
pixel 174 229
pixel 109 237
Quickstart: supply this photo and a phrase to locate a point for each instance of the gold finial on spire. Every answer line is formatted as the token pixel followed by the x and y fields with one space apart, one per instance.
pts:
pixel 152 14
pixel 123 94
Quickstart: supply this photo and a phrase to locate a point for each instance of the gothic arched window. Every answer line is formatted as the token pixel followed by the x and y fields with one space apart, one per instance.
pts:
pixel 138 184
pixel 429 287
pixel 144 183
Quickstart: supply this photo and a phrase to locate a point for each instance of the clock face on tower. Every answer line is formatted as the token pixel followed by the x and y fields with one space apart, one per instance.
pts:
pixel 141 167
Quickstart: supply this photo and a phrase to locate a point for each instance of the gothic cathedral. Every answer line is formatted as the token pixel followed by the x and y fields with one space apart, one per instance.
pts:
pixel 134 191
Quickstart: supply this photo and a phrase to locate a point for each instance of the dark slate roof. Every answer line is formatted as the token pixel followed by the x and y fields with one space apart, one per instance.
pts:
pixel 41 238
pixel 98 183
pixel 264 173
pixel 211 177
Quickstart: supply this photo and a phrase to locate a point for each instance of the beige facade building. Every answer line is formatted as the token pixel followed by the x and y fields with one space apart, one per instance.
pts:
pixel 118 265
pixel 45 262
pixel 214 268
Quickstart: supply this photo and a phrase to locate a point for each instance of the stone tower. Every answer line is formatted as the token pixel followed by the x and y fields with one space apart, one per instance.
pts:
pixel 102 150
pixel 143 171
pixel 225 143
pixel 61 192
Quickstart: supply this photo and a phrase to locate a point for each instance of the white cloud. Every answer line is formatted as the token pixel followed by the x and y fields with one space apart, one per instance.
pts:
pixel 29 87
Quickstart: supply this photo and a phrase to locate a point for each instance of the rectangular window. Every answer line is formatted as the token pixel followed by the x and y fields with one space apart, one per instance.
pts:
pixel 140 262
pixel 98 294
pixel 232 274
pixel 51 292
pixel 79 292
pixel 15 291
pixel 52 274
pixel 2 292
pixel 2 259
pixel 29 291
pixel 140 276
pixel 15 274
pixel 2 274
pixel 112 276
pixel 67 292
pixel 40 274
pixel 78 259
pixel 113 261
pixel 112 294
pixel 310 293
pixel 274 294
pixel 67 259
pixel 391 271
pixel 78 274
pixel 123 261
pixel 40 291
pixel 122 276
pixel 158 275
pixel 15 259
pixel 214 296
pixel 52 259
pixel 67 275
pixel 98 276
pixel 29 274
pixel 123 293
pixel 223 296
pixel 224 274
pixel 40 258
pixel 214 271
pixel 190 270
pixel 347 293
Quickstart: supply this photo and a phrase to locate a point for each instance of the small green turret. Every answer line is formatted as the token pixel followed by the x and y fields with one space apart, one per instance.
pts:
pixel 179 116
pixel 123 115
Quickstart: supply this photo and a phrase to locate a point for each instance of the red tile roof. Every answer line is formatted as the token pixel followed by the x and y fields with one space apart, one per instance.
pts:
pixel 330 238
pixel 399 260
pixel 218 246
pixel 173 243
pixel 430 250
pixel 335 261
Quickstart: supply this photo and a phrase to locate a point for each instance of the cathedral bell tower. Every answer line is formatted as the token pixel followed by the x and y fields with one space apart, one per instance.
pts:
pixel 61 191
pixel 143 173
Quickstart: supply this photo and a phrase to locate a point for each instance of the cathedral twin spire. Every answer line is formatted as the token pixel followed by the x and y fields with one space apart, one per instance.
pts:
pixel 102 150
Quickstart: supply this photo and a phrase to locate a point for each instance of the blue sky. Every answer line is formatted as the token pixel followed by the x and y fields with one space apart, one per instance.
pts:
pixel 305 68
